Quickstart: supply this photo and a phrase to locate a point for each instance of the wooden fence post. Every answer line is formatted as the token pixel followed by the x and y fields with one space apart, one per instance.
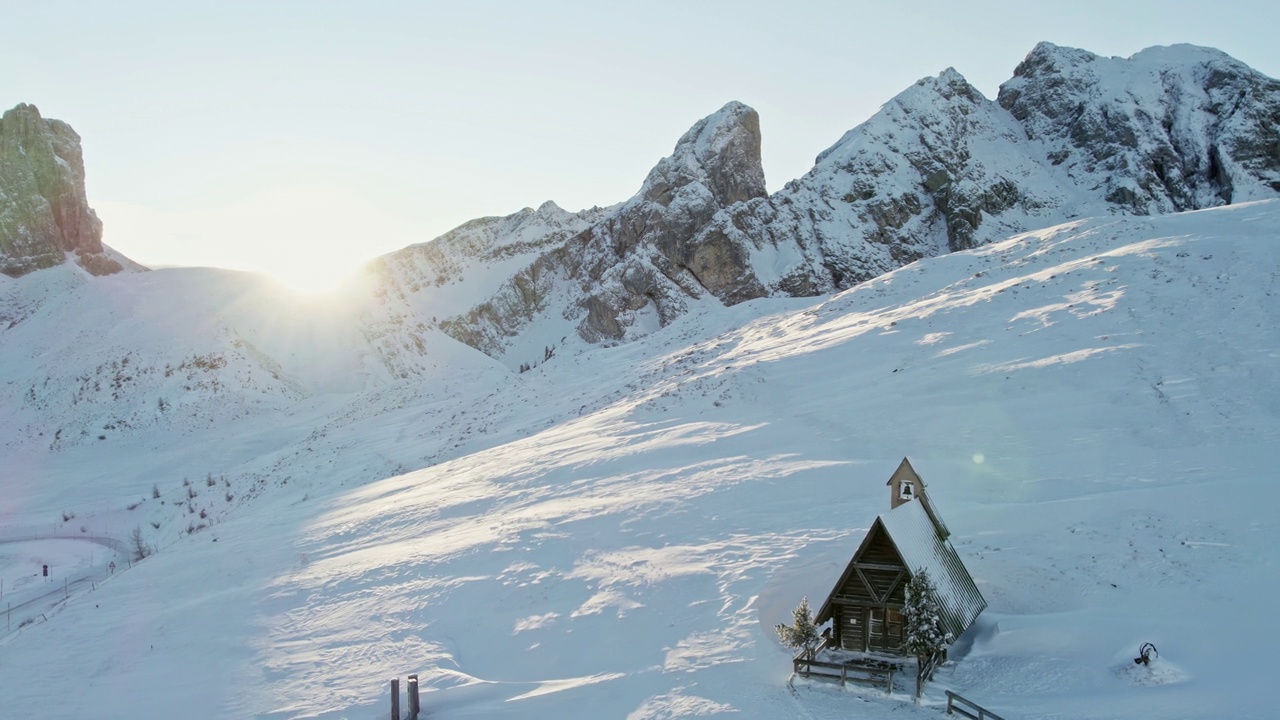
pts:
pixel 413 697
pixel 395 698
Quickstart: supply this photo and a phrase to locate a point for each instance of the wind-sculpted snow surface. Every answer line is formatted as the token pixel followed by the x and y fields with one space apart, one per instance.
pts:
pixel 133 357
pixel 616 533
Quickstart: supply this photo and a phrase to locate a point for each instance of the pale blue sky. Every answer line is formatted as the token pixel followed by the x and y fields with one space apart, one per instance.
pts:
pixel 300 138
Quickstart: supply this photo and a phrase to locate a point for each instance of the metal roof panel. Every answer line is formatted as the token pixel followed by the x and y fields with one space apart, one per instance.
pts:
pixel 921 545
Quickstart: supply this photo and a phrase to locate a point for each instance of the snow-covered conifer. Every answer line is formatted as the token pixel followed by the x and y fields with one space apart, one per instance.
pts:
pixel 922 633
pixel 802 634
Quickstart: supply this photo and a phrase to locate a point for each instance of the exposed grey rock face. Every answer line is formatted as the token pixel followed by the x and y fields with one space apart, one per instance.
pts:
pixel 1170 129
pixel 941 168
pixel 648 254
pixel 415 288
pixel 644 259
pixel 930 173
pixel 43 211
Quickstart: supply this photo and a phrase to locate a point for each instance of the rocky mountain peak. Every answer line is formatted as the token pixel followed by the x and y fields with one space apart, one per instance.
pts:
pixel 43 211
pixel 940 168
pixel 642 263
pixel 1185 54
pixel 929 104
pixel 1047 59
pixel 721 151
pixel 950 82
pixel 1168 129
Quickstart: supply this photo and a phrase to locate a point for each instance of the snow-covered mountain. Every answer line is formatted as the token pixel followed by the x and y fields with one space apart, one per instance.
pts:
pixel 940 168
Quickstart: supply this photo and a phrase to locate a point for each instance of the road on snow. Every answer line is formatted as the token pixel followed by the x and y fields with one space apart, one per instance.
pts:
pixel 81 579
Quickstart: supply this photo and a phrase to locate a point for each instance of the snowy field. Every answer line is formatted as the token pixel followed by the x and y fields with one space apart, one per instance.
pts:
pixel 1095 408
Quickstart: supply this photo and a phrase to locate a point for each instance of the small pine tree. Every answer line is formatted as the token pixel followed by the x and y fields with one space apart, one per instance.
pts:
pixel 140 549
pixel 803 634
pixel 923 635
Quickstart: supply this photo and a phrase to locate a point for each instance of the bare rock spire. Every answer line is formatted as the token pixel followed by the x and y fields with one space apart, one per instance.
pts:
pixel 44 214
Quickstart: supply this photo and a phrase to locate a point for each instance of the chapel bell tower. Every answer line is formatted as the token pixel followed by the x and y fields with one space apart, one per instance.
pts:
pixel 905 485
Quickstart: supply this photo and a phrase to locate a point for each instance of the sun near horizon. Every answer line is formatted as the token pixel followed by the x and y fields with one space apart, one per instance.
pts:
pixel 316 277
pixel 311 238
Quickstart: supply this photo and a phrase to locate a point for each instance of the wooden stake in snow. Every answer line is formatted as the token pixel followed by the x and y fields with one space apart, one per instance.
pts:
pixel 395 698
pixel 412 689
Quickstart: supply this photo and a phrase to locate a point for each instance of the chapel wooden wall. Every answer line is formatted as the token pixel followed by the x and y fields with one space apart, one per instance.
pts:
pixel 866 613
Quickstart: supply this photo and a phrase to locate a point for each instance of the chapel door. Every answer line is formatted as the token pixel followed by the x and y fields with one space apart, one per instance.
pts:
pixel 884 630
pixel 851 629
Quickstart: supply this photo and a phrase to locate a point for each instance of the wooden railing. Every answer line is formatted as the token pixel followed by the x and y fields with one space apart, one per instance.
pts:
pixel 926 671
pixel 845 672
pixel 960 706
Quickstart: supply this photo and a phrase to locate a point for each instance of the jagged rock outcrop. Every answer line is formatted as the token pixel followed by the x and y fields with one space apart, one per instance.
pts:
pixel 413 289
pixel 44 214
pixel 1170 129
pixel 648 254
pixel 940 168
pixel 644 259
pixel 931 172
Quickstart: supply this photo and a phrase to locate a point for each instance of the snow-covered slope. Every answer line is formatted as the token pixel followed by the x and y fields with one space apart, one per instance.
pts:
pixel 1093 406
pixel 135 358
